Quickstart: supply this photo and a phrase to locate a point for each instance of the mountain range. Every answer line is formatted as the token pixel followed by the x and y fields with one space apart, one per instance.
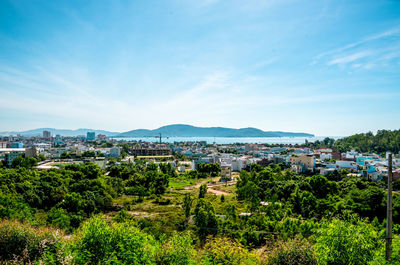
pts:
pixel 175 130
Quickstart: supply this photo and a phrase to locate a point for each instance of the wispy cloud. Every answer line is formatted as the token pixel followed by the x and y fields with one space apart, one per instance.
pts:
pixel 371 51
pixel 349 58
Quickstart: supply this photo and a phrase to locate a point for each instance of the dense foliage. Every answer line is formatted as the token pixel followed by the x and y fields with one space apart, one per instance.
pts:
pixel 65 197
pixel 272 216
pixel 382 141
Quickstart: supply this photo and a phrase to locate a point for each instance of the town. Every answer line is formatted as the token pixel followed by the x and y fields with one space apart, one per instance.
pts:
pixel 52 151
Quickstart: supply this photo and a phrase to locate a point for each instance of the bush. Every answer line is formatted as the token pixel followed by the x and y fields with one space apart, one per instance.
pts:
pixel 226 251
pixel 292 252
pixel 178 250
pixel 341 242
pixel 59 217
pixel 379 258
pixel 22 242
pixel 105 242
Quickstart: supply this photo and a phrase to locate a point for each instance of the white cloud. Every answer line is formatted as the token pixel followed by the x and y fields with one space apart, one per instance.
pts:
pixel 374 50
pixel 349 58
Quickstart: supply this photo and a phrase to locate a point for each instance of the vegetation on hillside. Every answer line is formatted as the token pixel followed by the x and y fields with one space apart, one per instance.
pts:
pixel 128 214
pixel 382 141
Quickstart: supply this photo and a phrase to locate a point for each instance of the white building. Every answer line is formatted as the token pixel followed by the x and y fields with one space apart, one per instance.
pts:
pixel 343 164
pixel 115 151
pixel 325 156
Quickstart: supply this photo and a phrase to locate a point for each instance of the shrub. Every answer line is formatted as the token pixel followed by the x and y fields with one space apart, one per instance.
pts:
pixel 380 254
pixel 341 242
pixel 222 198
pixel 292 252
pixel 202 191
pixel 178 250
pixel 26 243
pixel 100 241
pixel 227 251
pixel 59 217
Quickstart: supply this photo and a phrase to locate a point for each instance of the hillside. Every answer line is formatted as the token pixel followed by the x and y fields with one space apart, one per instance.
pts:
pixel 63 132
pixel 175 130
pixel 181 130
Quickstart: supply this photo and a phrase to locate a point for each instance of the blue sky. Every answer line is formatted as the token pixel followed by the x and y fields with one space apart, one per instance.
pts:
pixel 323 67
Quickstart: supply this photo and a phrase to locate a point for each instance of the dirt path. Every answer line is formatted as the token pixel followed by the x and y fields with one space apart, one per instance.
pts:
pixel 217 192
pixel 210 186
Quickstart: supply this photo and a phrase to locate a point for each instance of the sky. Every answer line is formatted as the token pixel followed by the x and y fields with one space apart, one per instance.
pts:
pixel 331 68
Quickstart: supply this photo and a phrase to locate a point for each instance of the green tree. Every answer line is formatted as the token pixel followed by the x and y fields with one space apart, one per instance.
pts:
pixel 22 161
pixel 65 155
pixel 102 242
pixel 202 191
pixel 187 205
pixel 340 242
pixel 249 193
pixel 205 220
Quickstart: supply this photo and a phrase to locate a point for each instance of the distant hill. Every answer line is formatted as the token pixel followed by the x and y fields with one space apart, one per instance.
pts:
pixel 39 132
pixel 182 130
pixel 175 130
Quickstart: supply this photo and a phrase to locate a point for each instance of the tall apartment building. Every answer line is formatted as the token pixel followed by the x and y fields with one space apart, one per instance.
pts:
pixel 90 136
pixel 47 134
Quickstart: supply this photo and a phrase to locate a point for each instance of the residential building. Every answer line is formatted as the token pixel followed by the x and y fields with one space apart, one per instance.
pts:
pixel 226 172
pixel 16 145
pixel 47 134
pixel 31 152
pixel 344 164
pixel 157 150
pixel 325 156
pixel 101 137
pixel 302 163
pixel 115 151
pixel 12 154
pixel 3 144
pixel 90 136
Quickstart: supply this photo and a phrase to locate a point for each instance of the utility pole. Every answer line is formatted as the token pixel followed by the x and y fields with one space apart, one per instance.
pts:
pixel 160 138
pixel 389 219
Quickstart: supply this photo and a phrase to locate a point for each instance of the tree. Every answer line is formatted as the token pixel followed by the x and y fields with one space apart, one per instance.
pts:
pixel 340 242
pixel 321 186
pixel 205 220
pixel 101 242
pixel 41 158
pixel 89 154
pixel 211 169
pixel 249 193
pixel 65 155
pixel 26 162
pixel 187 204
pixel 202 191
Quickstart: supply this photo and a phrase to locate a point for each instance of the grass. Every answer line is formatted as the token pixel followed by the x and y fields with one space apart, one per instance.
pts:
pixel 171 216
pixel 230 189
pixel 177 183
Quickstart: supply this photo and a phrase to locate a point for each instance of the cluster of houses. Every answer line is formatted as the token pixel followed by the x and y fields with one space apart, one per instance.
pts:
pixel 53 147
pixel 230 157
pixel 325 162
pixel 322 161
